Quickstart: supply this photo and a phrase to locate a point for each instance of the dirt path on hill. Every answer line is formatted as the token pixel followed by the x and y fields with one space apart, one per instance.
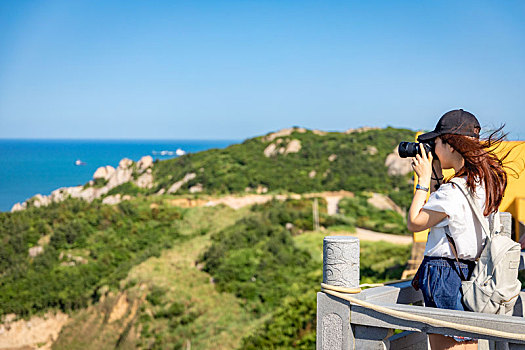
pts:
pixel 367 235
pixel 240 201
pixel 332 198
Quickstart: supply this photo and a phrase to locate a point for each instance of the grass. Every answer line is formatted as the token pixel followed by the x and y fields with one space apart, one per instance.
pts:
pixel 205 318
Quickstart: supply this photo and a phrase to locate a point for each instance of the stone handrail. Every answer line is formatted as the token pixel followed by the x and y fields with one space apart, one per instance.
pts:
pixel 341 325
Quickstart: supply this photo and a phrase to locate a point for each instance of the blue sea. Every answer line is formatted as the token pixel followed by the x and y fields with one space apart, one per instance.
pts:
pixel 28 167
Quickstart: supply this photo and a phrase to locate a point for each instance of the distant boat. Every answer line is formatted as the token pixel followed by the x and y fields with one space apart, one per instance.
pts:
pixel 178 152
pixel 79 162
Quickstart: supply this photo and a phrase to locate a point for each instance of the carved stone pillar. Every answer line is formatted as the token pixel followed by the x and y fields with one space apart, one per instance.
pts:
pixel 340 268
pixel 341 261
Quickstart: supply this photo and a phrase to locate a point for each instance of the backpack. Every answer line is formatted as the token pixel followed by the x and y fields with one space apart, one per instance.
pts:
pixel 494 286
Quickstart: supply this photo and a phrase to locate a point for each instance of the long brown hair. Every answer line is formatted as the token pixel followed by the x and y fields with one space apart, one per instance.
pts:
pixel 482 165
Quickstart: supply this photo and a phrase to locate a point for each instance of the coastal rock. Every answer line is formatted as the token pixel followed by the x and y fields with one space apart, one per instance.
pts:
pixel 177 185
pixel 396 165
pixel 39 200
pixel 145 180
pixel 114 177
pixel 145 163
pixel 88 194
pixel 122 175
pixel 18 207
pixel 111 200
pixel 104 172
pixel 319 132
pixel 125 163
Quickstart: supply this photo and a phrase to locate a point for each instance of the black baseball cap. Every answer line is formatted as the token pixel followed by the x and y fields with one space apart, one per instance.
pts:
pixel 458 122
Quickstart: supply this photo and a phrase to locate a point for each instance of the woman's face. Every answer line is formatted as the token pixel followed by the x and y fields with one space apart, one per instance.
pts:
pixel 444 153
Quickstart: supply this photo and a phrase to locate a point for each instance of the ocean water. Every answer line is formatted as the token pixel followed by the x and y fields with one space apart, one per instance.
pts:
pixel 28 167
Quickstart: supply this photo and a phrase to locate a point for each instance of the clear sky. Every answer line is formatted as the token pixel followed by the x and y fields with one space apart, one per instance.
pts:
pixel 236 69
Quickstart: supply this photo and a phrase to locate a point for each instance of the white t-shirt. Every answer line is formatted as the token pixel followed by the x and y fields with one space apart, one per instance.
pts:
pixel 464 227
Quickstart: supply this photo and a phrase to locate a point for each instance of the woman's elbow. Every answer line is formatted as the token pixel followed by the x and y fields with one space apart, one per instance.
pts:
pixel 414 226
pixel 411 227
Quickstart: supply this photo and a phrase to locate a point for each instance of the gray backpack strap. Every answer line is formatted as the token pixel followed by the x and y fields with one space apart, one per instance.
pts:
pixel 474 206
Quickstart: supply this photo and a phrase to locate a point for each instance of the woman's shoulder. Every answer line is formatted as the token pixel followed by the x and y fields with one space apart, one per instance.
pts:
pixel 447 189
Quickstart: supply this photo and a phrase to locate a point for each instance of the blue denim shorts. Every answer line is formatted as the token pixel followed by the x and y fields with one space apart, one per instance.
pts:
pixel 440 282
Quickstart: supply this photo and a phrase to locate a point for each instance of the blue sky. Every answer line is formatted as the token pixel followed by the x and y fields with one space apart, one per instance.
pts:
pixel 236 69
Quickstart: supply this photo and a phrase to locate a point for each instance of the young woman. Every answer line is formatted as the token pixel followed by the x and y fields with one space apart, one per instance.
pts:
pixel 457 146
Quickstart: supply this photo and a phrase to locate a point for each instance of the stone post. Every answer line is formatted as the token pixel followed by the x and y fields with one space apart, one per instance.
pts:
pixel 340 268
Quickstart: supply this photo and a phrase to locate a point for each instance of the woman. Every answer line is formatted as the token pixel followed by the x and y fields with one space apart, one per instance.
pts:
pixel 457 146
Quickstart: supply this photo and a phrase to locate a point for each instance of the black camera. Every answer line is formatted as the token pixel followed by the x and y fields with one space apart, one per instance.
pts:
pixel 410 149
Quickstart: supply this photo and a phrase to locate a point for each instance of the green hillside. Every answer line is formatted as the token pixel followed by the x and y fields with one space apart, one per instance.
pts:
pixel 324 162
pixel 148 274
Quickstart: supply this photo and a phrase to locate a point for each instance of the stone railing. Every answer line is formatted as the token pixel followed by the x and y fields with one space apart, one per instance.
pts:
pixel 341 325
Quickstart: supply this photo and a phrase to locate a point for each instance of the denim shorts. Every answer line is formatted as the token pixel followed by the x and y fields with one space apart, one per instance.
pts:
pixel 440 282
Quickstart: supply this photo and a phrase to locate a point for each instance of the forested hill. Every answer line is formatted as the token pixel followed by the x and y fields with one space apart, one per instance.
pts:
pixel 295 160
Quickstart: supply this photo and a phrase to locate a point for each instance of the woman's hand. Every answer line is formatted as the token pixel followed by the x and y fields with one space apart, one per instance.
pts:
pixel 420 219
pixel 422 165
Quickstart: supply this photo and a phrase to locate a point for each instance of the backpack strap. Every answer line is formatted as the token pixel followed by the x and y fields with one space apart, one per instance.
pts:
pixel 454 251
pixel 474 206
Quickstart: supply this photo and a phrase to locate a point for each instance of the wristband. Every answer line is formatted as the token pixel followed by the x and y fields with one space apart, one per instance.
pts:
pixel 419 187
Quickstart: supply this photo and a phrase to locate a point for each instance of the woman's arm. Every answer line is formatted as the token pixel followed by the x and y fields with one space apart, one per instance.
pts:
pixel 420 219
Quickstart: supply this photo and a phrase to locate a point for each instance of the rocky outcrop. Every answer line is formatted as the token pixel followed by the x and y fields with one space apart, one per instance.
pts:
pixel 145 180
pixel 120 309
pixel 177 185
pixel 397 165
pixel 114 177
pixel 196 189
pixel 35 251
pixel 279 147
pixel 68 259
pixel 382 202
pixel 293 147
pixel 104 172
pixel 144 163
pixel 371 150
pixel 270 150
pixel 361 129
pixel 115 199
pixel 39 332
pixel 281 133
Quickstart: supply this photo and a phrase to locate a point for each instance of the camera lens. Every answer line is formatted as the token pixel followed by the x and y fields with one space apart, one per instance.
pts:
pixel 408 149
